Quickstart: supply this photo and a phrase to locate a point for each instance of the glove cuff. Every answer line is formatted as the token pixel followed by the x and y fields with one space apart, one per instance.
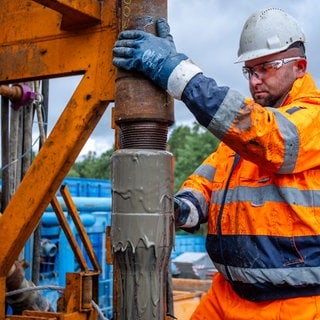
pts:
pixel 166 67
pixel 180 77
pixel 185 213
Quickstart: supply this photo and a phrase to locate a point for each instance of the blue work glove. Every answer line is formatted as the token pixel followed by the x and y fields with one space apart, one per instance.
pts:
pixel 154 56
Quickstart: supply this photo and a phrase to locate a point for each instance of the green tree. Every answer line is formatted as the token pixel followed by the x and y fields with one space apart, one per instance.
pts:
pixel 93 166
pixel 177 139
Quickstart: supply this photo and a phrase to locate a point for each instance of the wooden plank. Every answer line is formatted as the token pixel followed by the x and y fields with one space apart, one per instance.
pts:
pixel 191 285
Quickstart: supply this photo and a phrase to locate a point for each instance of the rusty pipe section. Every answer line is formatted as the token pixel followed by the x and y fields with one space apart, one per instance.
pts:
pixel 142 182
pixel 14 93
pixel 19 94
pixel 143 111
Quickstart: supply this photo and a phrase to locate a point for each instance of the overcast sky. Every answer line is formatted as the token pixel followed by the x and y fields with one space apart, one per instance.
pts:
pixel 208 32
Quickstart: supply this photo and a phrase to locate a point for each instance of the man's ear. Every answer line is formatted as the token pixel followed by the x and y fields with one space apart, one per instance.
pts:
pixel 301 66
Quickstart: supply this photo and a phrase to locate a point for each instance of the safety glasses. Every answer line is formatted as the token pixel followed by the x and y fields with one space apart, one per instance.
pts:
pixel 263 69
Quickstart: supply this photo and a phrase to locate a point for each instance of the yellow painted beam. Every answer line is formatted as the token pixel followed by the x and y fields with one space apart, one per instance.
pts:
pixel 33 47
pixel 75 13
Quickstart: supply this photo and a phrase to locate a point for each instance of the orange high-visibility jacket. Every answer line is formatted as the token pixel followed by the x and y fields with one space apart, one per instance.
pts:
pixel 266 240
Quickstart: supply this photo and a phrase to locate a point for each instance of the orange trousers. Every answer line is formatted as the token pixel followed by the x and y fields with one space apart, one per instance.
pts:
pixel 221 302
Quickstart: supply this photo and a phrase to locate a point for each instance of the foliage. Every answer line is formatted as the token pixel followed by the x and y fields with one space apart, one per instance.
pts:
pixel 93 166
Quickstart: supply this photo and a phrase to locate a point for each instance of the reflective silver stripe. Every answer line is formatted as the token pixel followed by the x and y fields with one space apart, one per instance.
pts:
pixel 290 276
pixel 259 195
pixel 199 196
pixel 206 171
pixel 291 142
pixel 227 112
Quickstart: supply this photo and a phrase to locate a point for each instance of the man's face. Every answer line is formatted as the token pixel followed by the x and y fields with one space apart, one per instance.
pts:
pixel 271 77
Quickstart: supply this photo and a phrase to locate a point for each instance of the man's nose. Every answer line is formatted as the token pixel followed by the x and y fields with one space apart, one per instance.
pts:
pixel 255 78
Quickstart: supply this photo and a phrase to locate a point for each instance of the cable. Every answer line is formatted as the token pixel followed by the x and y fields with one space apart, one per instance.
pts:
pixel 96 307
pixel 31 147
pixel 18 291
pixel 21 156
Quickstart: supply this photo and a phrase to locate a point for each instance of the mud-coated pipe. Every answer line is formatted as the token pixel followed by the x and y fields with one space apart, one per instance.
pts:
pixel 142 231
pixel 142 182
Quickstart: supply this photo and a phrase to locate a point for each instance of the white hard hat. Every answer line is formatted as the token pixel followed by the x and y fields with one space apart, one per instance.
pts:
pixel 266 32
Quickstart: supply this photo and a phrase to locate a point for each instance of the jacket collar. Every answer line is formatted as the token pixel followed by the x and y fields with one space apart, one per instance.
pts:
pixel 303 89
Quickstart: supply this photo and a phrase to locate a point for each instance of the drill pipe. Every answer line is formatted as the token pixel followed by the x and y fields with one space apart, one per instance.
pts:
pixel 142 183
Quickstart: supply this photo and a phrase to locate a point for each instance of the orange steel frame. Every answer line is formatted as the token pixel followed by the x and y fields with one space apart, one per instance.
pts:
pixel 43 39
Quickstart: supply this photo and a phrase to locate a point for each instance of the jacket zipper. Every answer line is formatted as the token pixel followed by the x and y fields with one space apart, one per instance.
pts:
pixel 219 219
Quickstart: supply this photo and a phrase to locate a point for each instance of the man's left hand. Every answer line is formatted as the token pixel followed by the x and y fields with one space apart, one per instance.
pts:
pixel 154 56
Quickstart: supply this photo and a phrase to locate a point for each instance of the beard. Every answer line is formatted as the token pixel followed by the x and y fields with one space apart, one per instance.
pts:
pixel 266 99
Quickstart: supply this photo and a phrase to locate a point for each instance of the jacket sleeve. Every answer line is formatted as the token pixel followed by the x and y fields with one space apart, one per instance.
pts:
pixel 203 97
pixel 215 107
pixel 282 140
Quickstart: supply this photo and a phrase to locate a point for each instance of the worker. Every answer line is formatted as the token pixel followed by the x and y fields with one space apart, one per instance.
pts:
pixel 259 192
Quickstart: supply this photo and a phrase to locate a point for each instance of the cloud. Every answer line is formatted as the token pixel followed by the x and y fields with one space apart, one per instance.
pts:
pixel 60 92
